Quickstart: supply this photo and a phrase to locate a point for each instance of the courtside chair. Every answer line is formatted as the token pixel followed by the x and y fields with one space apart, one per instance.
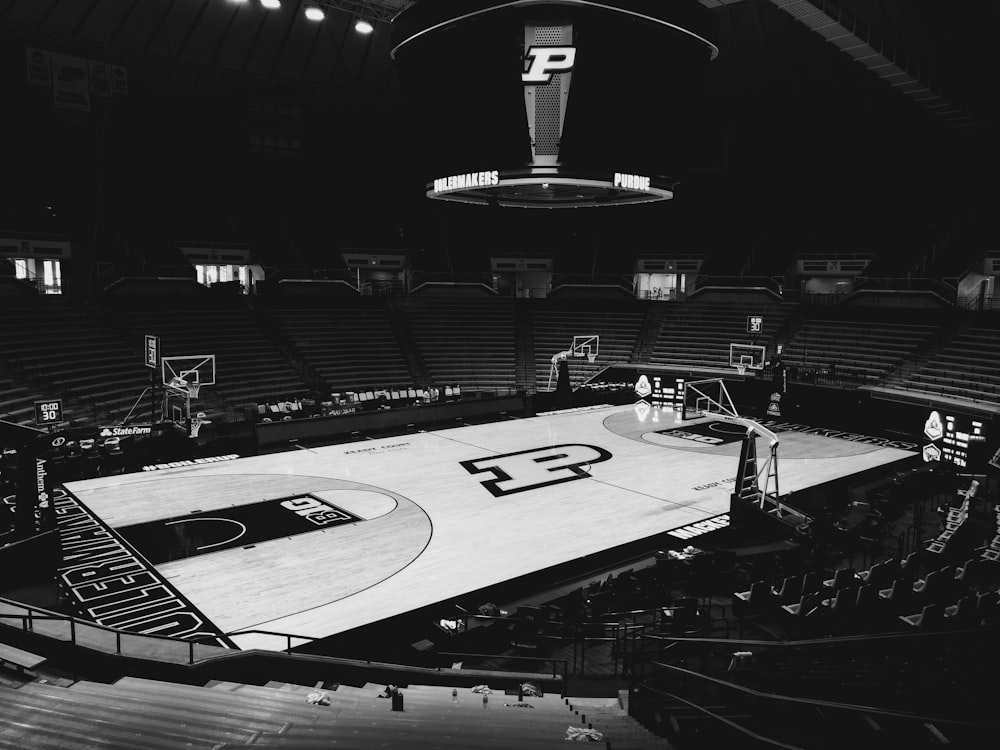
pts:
pixel 867 599
pixel 812 583
pixel 931 617
pixel 842 604
pixel 962 615
pixel 753 602
pixel 843 578
pixel 882 574
pixel 910 567
pixel 806 604
pixel 968 573
pixel 899 595
pixel 987 606
pixel 936 586
pixel 790 591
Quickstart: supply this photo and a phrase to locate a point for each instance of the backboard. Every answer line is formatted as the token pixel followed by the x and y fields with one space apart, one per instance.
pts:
pixel 586 346
pixel 193 368
pixel 749 356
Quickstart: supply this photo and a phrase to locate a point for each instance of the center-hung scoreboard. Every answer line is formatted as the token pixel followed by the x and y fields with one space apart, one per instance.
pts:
pixel 552 103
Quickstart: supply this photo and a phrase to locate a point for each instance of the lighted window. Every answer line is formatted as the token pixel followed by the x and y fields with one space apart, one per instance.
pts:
pixel 212 274
pixel 52 276
pixel 21 268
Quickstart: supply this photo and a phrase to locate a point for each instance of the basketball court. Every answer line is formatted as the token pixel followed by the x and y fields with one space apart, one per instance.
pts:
pixel 314 542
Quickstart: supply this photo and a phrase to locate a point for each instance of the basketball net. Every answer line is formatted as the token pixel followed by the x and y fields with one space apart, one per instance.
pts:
pixel 196 424
pixel 741 369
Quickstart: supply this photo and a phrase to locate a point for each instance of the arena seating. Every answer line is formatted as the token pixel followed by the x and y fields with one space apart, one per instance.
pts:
pixel 248 365
pixel 698 333
pixel 470 343
pixel 152 714
pixel 965 367
pixel 863 350
pixel 73 351
pixel 17 400
pixel 351 347
pixel 353 344
pixel 554 325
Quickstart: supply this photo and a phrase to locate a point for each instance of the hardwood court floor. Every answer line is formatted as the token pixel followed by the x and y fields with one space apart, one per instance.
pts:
pixel 432 529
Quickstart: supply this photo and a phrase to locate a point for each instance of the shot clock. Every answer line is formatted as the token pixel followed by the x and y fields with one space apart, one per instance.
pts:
pixel 48 412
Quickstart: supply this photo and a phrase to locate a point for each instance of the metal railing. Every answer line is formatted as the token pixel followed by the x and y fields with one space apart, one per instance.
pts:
pixel 713 653
pixel 979 302
pixel 778 710
pixel 590 638
pixel 500 657
pixel 73 630
pixel 289 637
pixel 163 649
pixel 642 708
pixel 737 282
pixel 905 284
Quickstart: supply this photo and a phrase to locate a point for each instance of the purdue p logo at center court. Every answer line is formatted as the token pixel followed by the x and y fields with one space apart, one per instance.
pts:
pixel 538 467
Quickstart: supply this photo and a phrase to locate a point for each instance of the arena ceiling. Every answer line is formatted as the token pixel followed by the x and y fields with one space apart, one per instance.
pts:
pixel 205 43
pixel 862 98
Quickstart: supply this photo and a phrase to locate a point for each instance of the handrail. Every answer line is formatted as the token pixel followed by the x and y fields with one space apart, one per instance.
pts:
pixel 814 701
pixel 724 720
pixel 504 657
pixel 820 641
pixel 287 636
pixel 31 616
pixel 834 256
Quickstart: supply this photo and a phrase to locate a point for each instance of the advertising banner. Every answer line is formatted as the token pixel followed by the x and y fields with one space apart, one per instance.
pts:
pixel 70 86
pixel 100 78
pixel 39 66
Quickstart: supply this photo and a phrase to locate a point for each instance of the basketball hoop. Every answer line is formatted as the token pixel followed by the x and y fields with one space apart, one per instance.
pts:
pixel 591 357
pixel 193 389
pixel 741 369
pixel 197 423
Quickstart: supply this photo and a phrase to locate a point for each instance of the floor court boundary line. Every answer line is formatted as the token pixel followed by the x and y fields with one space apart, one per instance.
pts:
pixel 430 538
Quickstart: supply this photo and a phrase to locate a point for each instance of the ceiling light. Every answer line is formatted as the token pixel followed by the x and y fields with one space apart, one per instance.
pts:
pixel 363 27
pixel 315 14
pixel 271 4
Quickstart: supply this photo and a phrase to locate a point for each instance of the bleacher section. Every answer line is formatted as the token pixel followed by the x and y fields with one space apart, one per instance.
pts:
pixel 965 367
pixel 863 349
pixel 302 348
pixel 554 326
pixel 150 714
pixel 351 348
pixel 470 343
pixel 16 401
pixel 248 365
pixel 698 333
pixel 71 351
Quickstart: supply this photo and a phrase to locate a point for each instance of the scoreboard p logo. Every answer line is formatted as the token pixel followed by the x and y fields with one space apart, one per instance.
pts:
pixel 546 62
pixel 538 467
